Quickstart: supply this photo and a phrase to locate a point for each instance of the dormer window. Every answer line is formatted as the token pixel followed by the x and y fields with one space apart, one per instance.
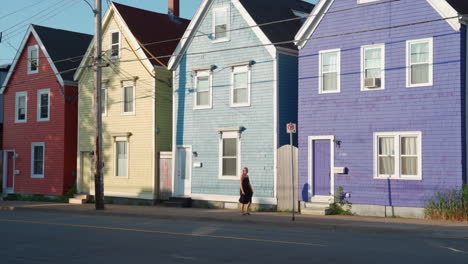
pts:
pixel 33 59
pixel 115 44
pixel 220 24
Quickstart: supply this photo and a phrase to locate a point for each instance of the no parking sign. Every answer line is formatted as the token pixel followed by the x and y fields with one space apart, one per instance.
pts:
pixel 291 128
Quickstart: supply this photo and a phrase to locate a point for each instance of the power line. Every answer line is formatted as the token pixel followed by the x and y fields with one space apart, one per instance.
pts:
pixel 22 9
pixel 270 44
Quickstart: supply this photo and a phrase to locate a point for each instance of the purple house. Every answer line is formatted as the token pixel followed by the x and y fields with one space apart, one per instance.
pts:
pixel 382 104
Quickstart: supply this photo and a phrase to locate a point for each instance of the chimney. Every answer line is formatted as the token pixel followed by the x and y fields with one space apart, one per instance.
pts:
pixel 174 7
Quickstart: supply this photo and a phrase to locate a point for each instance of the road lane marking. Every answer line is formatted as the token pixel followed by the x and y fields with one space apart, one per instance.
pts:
pixel 162 232
pixel 454 249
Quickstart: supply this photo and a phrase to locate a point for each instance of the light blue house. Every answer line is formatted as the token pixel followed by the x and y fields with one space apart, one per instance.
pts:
pixel 235 89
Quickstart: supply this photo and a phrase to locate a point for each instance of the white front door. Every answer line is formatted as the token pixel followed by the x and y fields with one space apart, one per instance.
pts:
pixel 183 183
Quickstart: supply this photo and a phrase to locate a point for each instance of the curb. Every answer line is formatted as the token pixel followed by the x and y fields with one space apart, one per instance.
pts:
pixel 421 231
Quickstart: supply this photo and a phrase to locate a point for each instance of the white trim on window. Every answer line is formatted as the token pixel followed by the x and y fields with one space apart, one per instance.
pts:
pixel 228 19
pixel 116 164
pixel 430 61
pixel 39 104
pixel 382 66
pixel 203 73
pixel 397 136
pixel 124 85
pixel 31 61
pixel 104 98
pixel 112 44
pixel 17 96
pixel 236 70
pixel 229 135
pixel 366 1
pixel 338 70
pixel 33 145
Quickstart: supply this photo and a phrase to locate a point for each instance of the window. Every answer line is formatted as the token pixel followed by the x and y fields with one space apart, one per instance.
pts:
pixel 398 155
pixel 37 160
pixel 128 100
pixel 21 107
pixel 43 105
pixel 104 100
pixel 33 59
pixel 373 67
pixel 115 44
pixel 221 24
pixel 203 90
pixel 329 71
pixel 121 157
pixel 419 58
pixel 229 155
pixel 240 92
pixel 366 1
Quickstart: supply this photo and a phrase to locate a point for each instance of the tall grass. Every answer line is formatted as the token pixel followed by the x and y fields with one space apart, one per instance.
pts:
pixel 449 205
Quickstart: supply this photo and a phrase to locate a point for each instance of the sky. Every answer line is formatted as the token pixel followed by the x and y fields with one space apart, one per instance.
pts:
pixel 73 15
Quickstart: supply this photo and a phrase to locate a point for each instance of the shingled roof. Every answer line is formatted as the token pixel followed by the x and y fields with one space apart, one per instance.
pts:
pixel 150 27
pixel 265 11
pixel 460 5
pixel 65 48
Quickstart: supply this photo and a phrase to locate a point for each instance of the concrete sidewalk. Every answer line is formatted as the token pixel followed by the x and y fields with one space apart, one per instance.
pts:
pixel 425 228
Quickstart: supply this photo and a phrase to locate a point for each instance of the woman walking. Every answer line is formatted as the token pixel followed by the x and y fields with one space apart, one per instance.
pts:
pixel 246 191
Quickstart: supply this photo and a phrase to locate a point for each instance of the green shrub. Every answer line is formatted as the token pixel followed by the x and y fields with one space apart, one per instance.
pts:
pixel 340 206
pixel 449 205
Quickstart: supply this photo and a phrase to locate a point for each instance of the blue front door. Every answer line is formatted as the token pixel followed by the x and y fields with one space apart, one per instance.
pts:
pixel 321 167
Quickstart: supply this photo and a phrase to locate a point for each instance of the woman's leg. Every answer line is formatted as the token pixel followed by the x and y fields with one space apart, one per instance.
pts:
pixel 242 208
pixel 248 207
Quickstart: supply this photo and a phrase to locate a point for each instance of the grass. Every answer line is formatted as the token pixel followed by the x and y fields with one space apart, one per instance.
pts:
pixel 43 198
pixel 449 205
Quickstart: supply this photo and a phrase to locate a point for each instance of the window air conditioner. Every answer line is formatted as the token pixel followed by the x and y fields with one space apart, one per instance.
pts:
pixel 372 83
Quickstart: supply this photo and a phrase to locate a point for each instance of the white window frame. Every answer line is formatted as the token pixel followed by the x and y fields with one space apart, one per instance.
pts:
pixel 111 44
pixel 38 144
pixel 366 1
pixel 224 135
pixel 338 51
pixel 228 26
pixel 126 84
pixel 121 139
pixel 29 59
pixel 397 145
pixel 382 65
pixel 17 95
pixel 430 41
pixel 39 93
pixel 203 73
pixel 104 92
pixel 241 69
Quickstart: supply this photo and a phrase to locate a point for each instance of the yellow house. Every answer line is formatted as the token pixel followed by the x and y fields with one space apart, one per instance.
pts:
pixel 136 101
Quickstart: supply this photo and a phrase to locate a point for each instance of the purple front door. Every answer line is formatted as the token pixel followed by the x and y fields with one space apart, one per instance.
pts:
pixel 321 167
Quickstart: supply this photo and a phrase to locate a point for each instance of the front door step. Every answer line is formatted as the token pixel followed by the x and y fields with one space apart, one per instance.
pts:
pixel 180 202
pixel 80 198
pixel 316 208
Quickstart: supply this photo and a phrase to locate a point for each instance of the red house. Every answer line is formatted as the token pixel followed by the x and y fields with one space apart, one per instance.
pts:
pixel 40 112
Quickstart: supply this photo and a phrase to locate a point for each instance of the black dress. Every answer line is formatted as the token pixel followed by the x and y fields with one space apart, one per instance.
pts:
pixel 247 197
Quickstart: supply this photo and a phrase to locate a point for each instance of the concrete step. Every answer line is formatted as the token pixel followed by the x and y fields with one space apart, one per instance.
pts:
pixel 81 196
pixel 76 201
pixel 181 202
pixel 311 211
pixel 317 205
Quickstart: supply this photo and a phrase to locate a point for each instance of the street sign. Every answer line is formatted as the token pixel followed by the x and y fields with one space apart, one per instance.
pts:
pixel 291 128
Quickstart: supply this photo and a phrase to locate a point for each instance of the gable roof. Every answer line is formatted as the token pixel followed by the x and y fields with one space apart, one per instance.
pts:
pixel 445 8
pixel 63 50
pixel 266 11
pixel 460 5
pixel 254 12
pixel 149 27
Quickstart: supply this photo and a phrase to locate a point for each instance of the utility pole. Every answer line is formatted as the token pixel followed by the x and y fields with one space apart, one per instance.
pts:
pixel 98 164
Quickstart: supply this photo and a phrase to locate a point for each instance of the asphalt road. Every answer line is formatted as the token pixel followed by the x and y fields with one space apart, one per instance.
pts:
pixel 44 237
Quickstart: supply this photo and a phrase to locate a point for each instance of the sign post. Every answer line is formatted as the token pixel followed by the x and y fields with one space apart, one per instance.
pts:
pixel 291 129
